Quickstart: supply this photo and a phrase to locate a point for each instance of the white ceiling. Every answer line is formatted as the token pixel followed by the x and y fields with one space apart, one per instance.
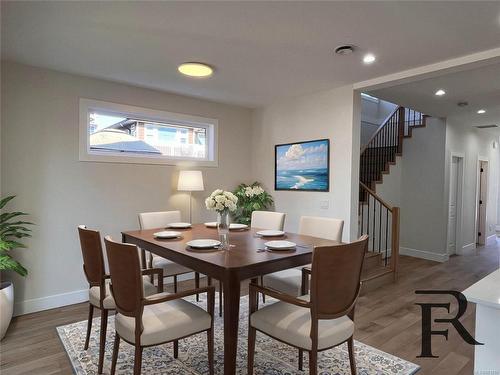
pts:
pixel 480 87
pixel 262 50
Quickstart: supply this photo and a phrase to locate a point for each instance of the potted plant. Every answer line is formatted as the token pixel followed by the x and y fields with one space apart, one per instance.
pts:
pixel 251 198
pixel 12 230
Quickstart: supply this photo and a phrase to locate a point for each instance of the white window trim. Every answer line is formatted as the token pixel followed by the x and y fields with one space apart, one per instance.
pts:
pixel 85 154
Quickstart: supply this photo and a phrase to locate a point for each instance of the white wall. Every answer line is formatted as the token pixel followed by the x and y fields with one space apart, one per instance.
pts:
pixel 40 164
pixel 327 114
pixel 373 114
pixel 474 143
pixel 416 185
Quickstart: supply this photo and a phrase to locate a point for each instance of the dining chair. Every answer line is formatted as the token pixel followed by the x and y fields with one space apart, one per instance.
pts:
pixel 291 281
pixel 150 321
pixel 267 220
pixel 99 284
pixel 152 220
pixel 318 321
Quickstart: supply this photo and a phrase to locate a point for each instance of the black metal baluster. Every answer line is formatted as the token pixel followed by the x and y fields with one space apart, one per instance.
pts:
pixel 380 227
pixel 386 232
pixel 373 237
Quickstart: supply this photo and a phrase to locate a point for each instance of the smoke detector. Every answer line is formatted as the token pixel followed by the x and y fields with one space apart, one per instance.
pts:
pixel 463 104
pixel 345 49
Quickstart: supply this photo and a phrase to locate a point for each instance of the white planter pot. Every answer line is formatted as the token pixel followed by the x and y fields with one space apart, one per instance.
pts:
pixel 6 306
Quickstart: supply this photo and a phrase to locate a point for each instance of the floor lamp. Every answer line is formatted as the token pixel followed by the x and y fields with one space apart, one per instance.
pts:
pixel 190 181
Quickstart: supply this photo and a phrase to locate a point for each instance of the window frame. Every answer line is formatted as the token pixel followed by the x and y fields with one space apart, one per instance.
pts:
pixel 86 154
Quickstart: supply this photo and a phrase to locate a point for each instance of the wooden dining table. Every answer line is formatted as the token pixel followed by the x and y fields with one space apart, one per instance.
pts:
pixel 243 260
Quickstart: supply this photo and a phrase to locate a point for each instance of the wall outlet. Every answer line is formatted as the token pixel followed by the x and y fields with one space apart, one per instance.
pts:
pixel 324 205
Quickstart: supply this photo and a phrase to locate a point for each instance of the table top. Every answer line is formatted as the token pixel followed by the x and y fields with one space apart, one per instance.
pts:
pixel 486 291
pixel 243 251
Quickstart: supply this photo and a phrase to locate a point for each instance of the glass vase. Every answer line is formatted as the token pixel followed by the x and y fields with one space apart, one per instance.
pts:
pixel 223 228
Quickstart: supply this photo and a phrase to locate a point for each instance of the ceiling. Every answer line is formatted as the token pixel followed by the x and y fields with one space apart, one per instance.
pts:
pixel 480 87
pixel 262 51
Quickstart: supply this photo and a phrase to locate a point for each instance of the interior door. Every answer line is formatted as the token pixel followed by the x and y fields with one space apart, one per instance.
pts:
pixel 481 205
pixel 452 209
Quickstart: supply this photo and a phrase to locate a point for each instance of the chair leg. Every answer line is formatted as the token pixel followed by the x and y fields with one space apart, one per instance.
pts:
pixel 176 349
pixel 89 326
pixel 116 346
pixel 221 287
pixel 352 361
pixel 175 283
pixel 210 339
pixel 138 360
pixel 197 284
pixel 313 362
pixel 251 349
pixel 301 359
pixel 102 341
pixel 262 284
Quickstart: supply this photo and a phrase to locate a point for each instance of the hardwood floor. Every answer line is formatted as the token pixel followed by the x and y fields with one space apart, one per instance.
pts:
pixel 386 318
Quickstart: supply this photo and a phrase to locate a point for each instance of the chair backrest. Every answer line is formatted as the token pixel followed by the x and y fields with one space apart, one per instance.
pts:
pixel 322 227
pixel 151 220
pixel 268 220
pixel 93 258
pixel 336 277
pixel 126 280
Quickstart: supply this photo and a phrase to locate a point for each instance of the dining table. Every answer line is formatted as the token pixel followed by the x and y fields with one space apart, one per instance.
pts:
pixel 245 258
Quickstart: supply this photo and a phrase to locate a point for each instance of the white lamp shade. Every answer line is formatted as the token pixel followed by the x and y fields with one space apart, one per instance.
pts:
pixel 190 181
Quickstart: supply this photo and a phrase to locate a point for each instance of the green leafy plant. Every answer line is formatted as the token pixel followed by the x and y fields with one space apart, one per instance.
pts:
pixel 251 198
pixel 12 229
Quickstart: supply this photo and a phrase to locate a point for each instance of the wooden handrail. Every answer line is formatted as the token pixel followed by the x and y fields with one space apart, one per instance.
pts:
pixel 376 197
pixel 379 129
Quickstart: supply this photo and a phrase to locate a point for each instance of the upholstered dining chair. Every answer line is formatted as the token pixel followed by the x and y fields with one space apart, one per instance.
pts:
pixel 318 321
pixel 291 281
pixel 150 321
pixel 99 292
pixel 152 220
pixel 267 220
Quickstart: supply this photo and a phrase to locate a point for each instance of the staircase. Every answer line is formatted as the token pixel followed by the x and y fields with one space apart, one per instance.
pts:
pixel 378 219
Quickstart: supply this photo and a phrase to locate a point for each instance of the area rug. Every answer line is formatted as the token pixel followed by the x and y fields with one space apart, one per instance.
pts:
pixel 271 356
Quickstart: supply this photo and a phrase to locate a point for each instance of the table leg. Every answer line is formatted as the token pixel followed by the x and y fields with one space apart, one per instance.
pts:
pixel 231 320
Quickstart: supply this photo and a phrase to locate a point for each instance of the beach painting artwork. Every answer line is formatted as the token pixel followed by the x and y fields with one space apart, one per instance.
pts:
pixel 303 166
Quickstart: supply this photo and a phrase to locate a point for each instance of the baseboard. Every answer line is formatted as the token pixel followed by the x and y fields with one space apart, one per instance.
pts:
pixel 58 300
pixel 423 254
pixel 469 247
pixel 50 302
pixel 490 240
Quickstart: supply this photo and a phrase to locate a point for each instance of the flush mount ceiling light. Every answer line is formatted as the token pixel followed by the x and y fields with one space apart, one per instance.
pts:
pixel 440 92
pixel 369 58
pixel 481 111
pixel 195 69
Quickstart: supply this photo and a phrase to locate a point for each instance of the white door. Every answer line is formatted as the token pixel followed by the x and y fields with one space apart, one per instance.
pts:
pixel 452 209
pixel 481 205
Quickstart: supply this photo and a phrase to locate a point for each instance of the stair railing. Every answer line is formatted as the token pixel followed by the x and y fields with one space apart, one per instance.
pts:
pixel 380 221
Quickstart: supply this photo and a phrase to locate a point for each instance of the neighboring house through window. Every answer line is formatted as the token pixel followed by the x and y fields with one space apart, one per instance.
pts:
pixel 119 133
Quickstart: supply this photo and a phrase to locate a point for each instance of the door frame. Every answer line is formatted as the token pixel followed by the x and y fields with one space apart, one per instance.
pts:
pixel 460 203
pixel 480 159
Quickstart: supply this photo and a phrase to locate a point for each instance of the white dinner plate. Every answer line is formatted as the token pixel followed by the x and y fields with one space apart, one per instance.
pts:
pixel 211 224
pixel 237 226
pixel 203 244
pixel 167 234
pixel 179 225
pixel 280 245
pixel 270 233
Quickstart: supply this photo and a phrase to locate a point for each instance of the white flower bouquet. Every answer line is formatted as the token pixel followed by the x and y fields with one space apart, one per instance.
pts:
pixel 221 201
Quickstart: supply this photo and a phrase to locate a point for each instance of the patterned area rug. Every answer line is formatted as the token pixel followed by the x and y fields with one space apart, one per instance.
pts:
pixel 271 357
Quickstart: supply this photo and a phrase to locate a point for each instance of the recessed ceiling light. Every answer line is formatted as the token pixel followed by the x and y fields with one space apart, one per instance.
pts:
pixel 369 58
pixel 481 111
pixel 195 69
pixel 440 92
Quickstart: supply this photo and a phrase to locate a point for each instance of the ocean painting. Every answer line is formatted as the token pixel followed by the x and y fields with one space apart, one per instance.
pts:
pixel 303 166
